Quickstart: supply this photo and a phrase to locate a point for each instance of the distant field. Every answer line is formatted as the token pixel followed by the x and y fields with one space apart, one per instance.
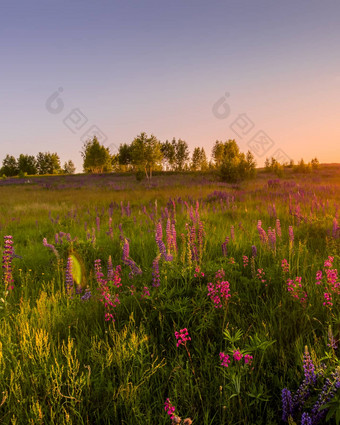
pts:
pixel 105 270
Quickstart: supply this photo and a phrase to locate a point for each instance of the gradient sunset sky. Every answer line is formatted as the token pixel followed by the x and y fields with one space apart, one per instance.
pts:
pixel 164 67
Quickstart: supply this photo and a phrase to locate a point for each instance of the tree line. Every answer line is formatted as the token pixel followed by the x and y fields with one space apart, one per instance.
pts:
pixel 146 154
pixel 42 163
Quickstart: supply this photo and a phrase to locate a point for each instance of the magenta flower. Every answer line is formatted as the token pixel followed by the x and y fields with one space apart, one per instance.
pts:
pixel 248 359
pixel 237 355
pixel 225 360
pixel 169 408
pixel 182 337
pixel 285 265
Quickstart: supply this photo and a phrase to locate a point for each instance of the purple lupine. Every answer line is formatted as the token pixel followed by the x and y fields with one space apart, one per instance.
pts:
pixel 7 259
pixel 253 251
pixel 232 233
pixel 160 243
pixel 87 295
pixel 272 238
pixel 326 394
pixel 110 232
pixel 69 277
pixel 306 419
pixel 110 269
pixel 287 404
pixel 135 270
pixel 332 342
pixel 174 237
pixel 98 271
pixel 291 234
pixel 51 247
pixel 308 367
pixel 278 228
pixel 155 272
pixel 225 247
pixel 336 229
pixel 262 232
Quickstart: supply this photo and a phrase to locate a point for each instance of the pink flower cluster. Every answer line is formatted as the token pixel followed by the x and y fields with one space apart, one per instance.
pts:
pixel 169 408
pixel 296 290
pixel 220 290
pixel 331 282
pixel 237 356
pixel 261 275
pixel 182 337
pixel 285 265
pixel 225 360
pixel 198 272
pixel 262 232
pixel 245 260
pixel 109 298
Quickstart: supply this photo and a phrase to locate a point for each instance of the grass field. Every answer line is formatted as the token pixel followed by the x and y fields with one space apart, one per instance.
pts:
pixel 122 301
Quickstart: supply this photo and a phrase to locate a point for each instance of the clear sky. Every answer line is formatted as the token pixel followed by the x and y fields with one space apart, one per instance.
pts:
pixel 164 67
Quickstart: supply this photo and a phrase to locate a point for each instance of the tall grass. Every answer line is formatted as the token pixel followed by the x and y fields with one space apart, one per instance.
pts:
pixel 61 362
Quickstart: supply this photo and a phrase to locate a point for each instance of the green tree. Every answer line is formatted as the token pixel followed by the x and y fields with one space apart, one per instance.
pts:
pixel 125 156
pixel 96 157
pixel 236 166
pixel 146 154
pixel 218 153
pixel 27 164
pixel 169 155
pixel 199 160
pixel 69 167
pixel 181 154
pixel 9 166
pixel 48 163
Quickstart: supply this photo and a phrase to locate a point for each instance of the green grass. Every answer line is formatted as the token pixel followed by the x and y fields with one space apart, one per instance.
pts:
pixel 62 363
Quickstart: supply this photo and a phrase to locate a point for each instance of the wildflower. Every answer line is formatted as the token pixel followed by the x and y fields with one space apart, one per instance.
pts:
pixel 245 260
pixel 332 343
pixel 225 360
pixel 262 233
pixel 237 355
pixel 169 408
pixel 278 228
pixel 219 291
pixel 291 234
pixel 69 277
pixel 318 277
pixel 248 359
pixel 253 251
pixel 261 275
pixel 306 419
pixel 285 265
pixel 51 247
pixel 87 294
pixel 308 368
pixel 287 404
pixel 146 292
pixel 329 262
pixel 155 272
pixel 182 337
pixel 7 259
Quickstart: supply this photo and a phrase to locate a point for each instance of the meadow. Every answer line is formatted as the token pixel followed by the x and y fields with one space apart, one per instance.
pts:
pixel 186 299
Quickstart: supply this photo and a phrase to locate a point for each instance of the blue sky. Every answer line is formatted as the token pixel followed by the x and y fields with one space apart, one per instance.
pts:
pixel 160 67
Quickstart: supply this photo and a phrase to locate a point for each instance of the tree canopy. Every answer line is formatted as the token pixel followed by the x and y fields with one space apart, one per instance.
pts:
pixel 96 157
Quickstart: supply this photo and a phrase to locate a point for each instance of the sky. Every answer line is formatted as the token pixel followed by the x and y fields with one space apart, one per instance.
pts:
pixel 263 72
